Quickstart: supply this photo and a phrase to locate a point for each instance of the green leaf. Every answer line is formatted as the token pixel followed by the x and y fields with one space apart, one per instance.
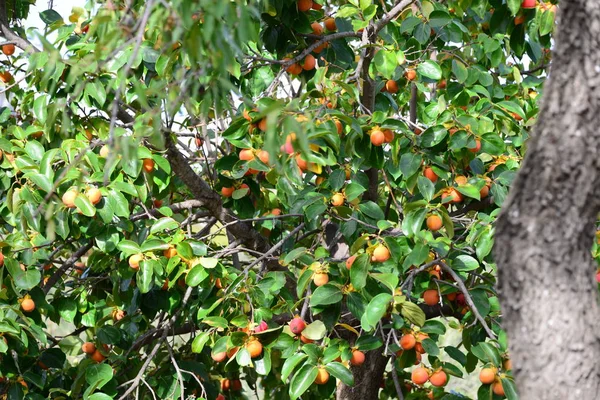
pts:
pixel 460 71
pixel 164 224
pixel 290 364
pixel 154 245
pixel 28 279
pixel 199 342
pixel 100 396
pixel 359 271
pixel 386 62
pixel 510 389
pixel 315 331
pixel 353 190
pixel 487 353
pixel 430 69
pixel 196 276
pixel 342 373
pixel 376 310
pixel 371 210
pixel 409 164
pixel 42 181
pixel 50 16
pixel 492 143
pixel 67 308
pixel 145 275
pixel 326 294
pixel 129 247
pixel 426 188
pixel 464 263
pixel 433 136
pixel 413 313
pixel 98 375
pixel 547 22
pixel 303 379
pixel 84 205
pixel 514 6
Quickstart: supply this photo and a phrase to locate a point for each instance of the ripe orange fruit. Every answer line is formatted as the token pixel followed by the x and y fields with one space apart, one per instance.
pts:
pixel 316 6
pixel 254 347
pixel 294 69
pixel 453 194
pixel 148 165
pixel 88 348
pixel 6 77
pixel 498 389
pixel 391 86
pixel 262 124
pixel 477 146
pixel 507 365
pixel 377 137
pixel 304 5
pixel 1 259
pixel 236 385
pixel 461 180
pixel 220 397
pixel 69 197
pixel 337 199
pixel 442 84
pixel 170 252
pixel 263 156
pixel 483 193
pixel 388 134
pixel 438 378
pixel 487 375
pixel 322 377
pixel 339 126
pixel 358 358
pixel 219 357
pixel 28 305
pixel 411 74
pixel 408 341
pixel 97 356
pixel 118 315
pixel 434 223
pixel 330 24
pixel 302 164
pixel 94 195
pixel 350 261
pixel 320 278
pixel 8 49
pixel 297 325
pixel 431 297
pixel 227 191
pixel 246 155
pixel 420 375
pixel 519 19
pixel 305 340
pixel 316 27
pixel 381 253
pixel 225 384
pixel 430 174
pixel 232 352
pixel 309 63
pixel 79 268
pixel 134 260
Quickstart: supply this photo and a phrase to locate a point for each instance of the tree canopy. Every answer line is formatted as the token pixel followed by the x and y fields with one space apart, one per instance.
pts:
pixel 296 195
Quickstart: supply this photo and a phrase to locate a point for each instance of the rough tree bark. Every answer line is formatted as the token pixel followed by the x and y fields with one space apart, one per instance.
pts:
pixel 546 229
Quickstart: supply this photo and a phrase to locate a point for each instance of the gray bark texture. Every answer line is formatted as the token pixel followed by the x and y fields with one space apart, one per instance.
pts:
pixel 545 232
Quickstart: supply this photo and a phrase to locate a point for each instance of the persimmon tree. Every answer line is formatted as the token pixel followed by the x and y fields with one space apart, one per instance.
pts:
pixel 203 199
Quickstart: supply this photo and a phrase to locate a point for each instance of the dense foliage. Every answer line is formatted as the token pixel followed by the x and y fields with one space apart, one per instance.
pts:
pixel 209 192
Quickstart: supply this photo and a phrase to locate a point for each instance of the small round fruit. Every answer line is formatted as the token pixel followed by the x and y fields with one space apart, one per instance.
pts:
pixel 309 63
pixel 236 385
pixel 69 197
pixel 220 397
pixel 262 125
pixel 88 348
pixel 391 86
pixel 225 385
pixel 322 376
pixel 381 253
pixel 104 151
pixel 94 195
pixel 1 259
pixel 148 165
pixel 487 375
pixel 27 305
pixel 294 69
pixel 302 163
pixel 97 356
pixel 358 358
pixel 8 49
pixel 525 4
pixel 419 375
pixel 484 192
pixel 316 6
pixel 453 194
pixel 388 134
pixel 350 261
pixel 477 146
pixel 430 174
pixel 431 297
pixel 297 325
pixel 232 352
pixel 519 19
pixel 317 28
pixel 339 126
pixel 442 84
pixel 134 261
pixel 438 378
pixel 227 191
pixel 411 74
pixel 261 327
pixel 255 348
pixel 408 341
pixel 246 155
pixel 330 24
pixel 377 137
pixel 337 199
pixel 119 315
pixel 6 77
pixel 498 389
pixel 434 223
pixel 263 156
pixel 507 365
pixel 170 252
pixel 320 279
pixel 306 340
pixel 304 5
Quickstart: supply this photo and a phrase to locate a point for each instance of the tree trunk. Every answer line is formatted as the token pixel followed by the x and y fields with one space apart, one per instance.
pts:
pixel 367 378
pixel 546 229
